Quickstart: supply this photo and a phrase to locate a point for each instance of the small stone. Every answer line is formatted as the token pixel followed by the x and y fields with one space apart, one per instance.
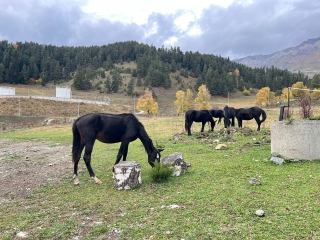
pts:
pixel 277 160
pixel 22 235
pixel 260 213
pixel 221 146
pixel 254 181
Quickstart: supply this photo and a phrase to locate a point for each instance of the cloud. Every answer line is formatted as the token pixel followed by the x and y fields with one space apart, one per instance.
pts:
pixel 228 28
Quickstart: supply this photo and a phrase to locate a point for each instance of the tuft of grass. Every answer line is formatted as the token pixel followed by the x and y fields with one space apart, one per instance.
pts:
pixel 161 172
pixel 313 118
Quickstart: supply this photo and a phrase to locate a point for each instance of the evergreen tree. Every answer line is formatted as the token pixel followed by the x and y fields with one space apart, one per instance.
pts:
pixel 315 81
pixel 139 82
pixel 25 74
pixel 108 84
pixel 2 72
pixel 116 81
pixel 80 82
pixel 130 87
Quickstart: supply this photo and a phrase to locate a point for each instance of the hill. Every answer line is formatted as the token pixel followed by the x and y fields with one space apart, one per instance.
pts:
pixel 119 102
pixel 304 58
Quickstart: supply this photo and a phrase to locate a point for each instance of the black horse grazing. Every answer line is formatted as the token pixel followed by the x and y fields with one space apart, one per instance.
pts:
pixel 251 113
pixel 229 113
pixel 216 114
pixel 202 116
pixel 108 128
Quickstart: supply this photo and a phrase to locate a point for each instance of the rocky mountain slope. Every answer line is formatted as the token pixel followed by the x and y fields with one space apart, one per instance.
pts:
pixel 304 58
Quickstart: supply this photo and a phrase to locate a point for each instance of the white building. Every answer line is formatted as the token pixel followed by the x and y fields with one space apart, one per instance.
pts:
pixel 63 92
pixel 7 91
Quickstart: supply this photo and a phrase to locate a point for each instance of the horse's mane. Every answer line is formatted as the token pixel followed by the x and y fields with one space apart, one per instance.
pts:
pixel 145 139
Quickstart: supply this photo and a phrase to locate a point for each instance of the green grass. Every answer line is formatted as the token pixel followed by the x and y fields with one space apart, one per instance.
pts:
pixel 215 198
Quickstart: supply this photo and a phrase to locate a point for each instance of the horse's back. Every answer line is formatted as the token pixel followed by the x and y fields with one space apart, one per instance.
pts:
pixel 108 128
pixel 229 112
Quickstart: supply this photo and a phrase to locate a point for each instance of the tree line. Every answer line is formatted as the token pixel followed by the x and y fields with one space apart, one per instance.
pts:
pixel 23 61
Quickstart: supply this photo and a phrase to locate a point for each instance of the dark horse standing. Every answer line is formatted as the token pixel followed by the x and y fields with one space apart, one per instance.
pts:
pixel 216 114
pixel 251 113
pixel 229 113
pixel 202 116
pixel 108 128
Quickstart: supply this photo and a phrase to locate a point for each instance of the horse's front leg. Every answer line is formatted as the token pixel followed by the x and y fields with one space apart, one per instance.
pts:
pixel 203 124
pixel 87 160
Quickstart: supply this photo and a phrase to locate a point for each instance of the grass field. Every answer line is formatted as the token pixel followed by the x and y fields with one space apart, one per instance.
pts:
pixel 215 199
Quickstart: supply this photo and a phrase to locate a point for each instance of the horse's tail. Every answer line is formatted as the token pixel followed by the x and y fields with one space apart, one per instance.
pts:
pixel 264 115
pixel 76 140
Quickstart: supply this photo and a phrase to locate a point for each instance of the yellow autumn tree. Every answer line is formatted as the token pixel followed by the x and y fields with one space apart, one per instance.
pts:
pixel 203 98
pixel 262 96
pixel 147 103
pixel 315 94
pixel 299 92
pixel 284 95
pixel 180 95
pixel 184 101
pixel 189 102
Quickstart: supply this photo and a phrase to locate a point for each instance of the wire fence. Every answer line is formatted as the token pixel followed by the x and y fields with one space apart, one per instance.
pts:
pixel 106 101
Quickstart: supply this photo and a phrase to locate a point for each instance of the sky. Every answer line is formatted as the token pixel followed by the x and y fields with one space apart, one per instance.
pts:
pixel 229 28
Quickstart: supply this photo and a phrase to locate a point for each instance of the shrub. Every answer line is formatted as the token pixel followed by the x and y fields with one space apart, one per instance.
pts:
pixel 161 172
pixel 246 92
pixel 305 107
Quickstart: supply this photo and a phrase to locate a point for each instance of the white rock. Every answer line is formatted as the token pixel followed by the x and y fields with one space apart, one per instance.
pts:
pixel 277 160
pixel 260 213
pixel 22 234
pixel 254 181
pixel 221 146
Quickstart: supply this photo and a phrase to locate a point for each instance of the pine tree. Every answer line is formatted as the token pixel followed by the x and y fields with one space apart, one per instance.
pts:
pixel 130 86
pixel 107 84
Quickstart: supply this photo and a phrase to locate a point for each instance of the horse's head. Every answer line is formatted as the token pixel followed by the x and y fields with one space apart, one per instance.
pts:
pixel 154 156
pixel 227 122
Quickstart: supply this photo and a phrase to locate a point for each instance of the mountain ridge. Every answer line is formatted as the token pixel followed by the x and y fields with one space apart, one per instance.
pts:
pixel 304 58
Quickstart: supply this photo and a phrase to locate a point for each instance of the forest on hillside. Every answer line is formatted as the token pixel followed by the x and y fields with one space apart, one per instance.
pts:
pixel 25 63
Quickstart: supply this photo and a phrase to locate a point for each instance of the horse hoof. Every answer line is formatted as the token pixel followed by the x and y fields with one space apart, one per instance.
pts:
pixel 76 182
pixel 96 180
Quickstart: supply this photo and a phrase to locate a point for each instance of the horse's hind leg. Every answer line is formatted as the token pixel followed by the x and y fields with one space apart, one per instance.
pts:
pixel 87 160
pixel 189 128
pixel 123 151
pixel 259 123
pixel 76 162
